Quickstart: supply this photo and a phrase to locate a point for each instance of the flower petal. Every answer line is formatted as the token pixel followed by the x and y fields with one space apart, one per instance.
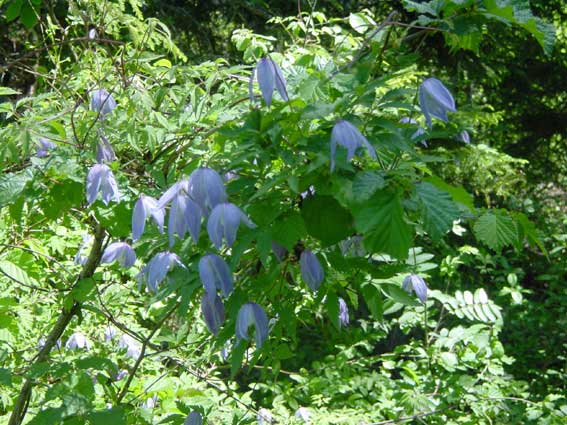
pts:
pixel 213 312
pixel 206 188
pixel 102 102
pixel 121 252
pixel 311 270
pixel 223 223
pixel 266 78
pixel 215 274
pixel 435 100
pixel 194 418
pixel 252 314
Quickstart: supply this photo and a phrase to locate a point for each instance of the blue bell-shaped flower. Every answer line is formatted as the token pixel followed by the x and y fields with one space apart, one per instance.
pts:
pixel 145 206
pixel 215 274
pixel 269 76
pixel 156 270
pixel 101 178
pixel 252 314
pixel 224 222
pixel 414 283
pixel 213 311
pixel 194 418
pixel 102 102
pixel 347 135
pixel 121 252
pixel 435 100
pixel 206 188
pixel 311 270
pixel 343 313
pixel 104 151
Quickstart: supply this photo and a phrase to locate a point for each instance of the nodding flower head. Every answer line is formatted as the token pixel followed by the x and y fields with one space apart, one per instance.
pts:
pixel 156 270
pixel 151 402
pixel 121 252
pixel 435 100
pixel 269 77
pixel 213 312
pixel 102 102
pixel 104 151
pixel 303 413
pixel 78 341
pixel 349 137
pixel 133 347
pixel 206 188
pixel 43 147
pixel 100 178
pixel 248 315
pixel 414 283
pixel 215 274
pixel 194 418
pixel 311 270
pixel 145 206
pixel 343 313
pixel 264 417
pixel 223 223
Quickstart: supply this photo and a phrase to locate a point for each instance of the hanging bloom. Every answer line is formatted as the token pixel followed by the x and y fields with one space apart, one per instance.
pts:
pixel 104 151
pixel 133 347
pixel 464 137
pixel 156 270
pixel 151 402
pixel 416 284
pixel 213 312
pixel 92 34
pixel 100 178
pixel 145 206
pixel 102 102
pixel 264 417
pixel 184 215
pixel 252 314
pixel 347 135
pixel 230 175
pixel 181 187
pixel 435 100
pixel 343 313
pixel 44 146
pixel 419 132
pixel 110 333
pixel 269 76
pixel 215 274
pixel 224 222
pixel 121 375
pixel 78 340
pixel 121 252
pixel 279 251
pixel 311 270
pixel 42 341
pixel 303 413
pixel 79 257
pixel 206 188
pixel 194 418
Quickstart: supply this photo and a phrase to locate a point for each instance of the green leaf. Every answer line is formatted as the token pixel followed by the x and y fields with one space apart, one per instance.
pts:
pixel 5 377
pixel 496 229
pixel 366 183
pixel 12 185
pixel 289 230
pixel 373 299
pixel 237 354
pixel 332 305
pixel 458 193
pixel 325 219
pixel 381 220
pixel 112 416
pixel 6 91
pixel 14 272
pixel 438 210
pixel 529 231
pixel 13 10
pixel 28 15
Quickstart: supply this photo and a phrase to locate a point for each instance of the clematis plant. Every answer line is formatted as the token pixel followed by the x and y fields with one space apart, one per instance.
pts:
pixel 269 77
pixel 145 206
pixel 248 315
pixel 206 188
pixel 194 418
pixel 101 178
pixel 414 283
pixel 223 223
pixel 44 146
pixel 215 274
pixel 213 312
pixel 311 270
pixel 343 313
pixel 102 102
pixel 78 341
pixel 156 270
pixel 435 100
pixel 121 252
pixel 104 151
pixel 349 137
pixel 133 347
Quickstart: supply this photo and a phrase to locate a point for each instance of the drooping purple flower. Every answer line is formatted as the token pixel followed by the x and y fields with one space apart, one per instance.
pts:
pixel 435 100
pixel 145 206
pixel 42 341
pixel 464 137
pixel 181 187
pixel 100 178
pixel 184 216
pixel 133 347
pixel 419 132
pixel 279 251
pixel 264 417
pixel 79 257
pixel 269 77
pixel 224 222
pixel 151 402
pixel 213 312
pixel 121 375
pixel 156 270
pixel 248 315
pixel 343 313
pixel 311 270
pixel 414 283
pixel 110 333
pixel 303 413
pixel 44 146
pixel 206 188
pixel 121 252
pixel 102 102
pixel 104 151
pixel 349 137
pixel 194 418
pixel 215 274
pixel 78 341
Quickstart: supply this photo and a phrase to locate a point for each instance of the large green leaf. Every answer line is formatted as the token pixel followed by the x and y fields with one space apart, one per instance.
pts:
pixel 326 219
pixel 381 220
pixel 12 185
pixel 438 210
pixel 496 229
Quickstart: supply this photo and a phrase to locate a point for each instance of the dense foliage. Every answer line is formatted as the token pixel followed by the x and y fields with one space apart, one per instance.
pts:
pixel 280 213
